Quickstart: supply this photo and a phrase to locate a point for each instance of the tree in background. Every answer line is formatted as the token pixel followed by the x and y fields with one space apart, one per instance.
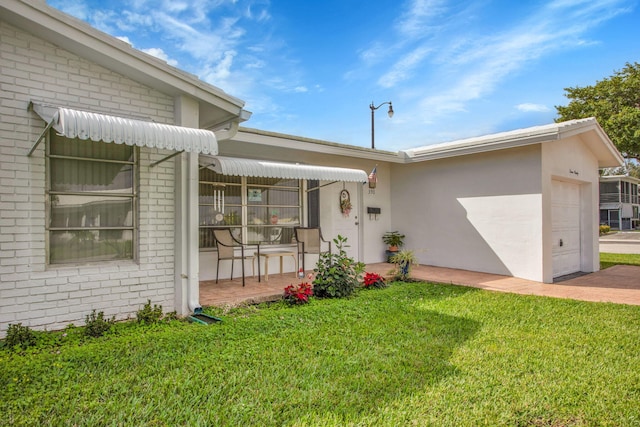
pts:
pixel 630 168
pixel 615 103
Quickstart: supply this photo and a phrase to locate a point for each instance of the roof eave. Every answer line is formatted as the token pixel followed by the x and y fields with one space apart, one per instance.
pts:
pixel 597 140
pixel 479 147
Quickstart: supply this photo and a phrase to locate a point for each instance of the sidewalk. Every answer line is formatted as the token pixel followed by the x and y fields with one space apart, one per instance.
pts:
pixel 622 242
pixel 632 237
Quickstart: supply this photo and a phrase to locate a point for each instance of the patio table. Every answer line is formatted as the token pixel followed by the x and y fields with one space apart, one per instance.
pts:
pixel 279 254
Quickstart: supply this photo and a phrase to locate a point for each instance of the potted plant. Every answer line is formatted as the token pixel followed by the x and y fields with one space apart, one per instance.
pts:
pixel 403 261
pixel 394 241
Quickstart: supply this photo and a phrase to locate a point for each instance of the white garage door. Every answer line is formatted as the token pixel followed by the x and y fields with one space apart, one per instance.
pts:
pixel 565 214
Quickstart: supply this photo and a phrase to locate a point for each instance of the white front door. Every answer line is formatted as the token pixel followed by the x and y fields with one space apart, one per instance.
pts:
pixel 347 225
pixel 565 219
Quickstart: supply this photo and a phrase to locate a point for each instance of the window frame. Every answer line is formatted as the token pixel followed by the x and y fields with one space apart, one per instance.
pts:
pixel 49 192
pixel 245 184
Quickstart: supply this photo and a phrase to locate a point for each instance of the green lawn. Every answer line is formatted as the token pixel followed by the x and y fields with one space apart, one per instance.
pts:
pixel 607 260
pixel 411 354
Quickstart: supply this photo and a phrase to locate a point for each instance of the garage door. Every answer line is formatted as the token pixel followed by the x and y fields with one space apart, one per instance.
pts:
pixel 565 214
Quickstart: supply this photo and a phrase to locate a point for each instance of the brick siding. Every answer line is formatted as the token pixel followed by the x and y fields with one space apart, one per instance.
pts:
pixel 51 296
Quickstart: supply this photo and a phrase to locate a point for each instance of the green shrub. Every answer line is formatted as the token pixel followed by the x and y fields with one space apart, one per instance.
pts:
pixel 337 275
pixel 172 315
pixel 604 229
pixel 148 315
pixel 403 261
pixel 19 336
pixel 96 325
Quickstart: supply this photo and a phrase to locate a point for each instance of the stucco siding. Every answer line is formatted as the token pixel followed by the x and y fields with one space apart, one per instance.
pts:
pixel 570 160
pixel 46 296
pixel 476 212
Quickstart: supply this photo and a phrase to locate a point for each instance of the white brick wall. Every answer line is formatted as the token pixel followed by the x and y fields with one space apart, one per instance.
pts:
pixel 49 297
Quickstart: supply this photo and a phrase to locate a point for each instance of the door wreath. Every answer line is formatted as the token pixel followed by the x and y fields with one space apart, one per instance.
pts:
pixel 345 203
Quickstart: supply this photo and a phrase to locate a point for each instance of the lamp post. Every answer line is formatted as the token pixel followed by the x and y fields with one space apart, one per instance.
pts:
pixel 373 109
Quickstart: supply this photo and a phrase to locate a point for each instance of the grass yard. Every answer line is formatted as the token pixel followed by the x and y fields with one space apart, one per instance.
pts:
pixel 607 260
pixel 411 354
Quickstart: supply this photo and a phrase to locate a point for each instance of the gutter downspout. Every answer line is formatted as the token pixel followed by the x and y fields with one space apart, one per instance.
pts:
pixel 222 135
pixel 193 262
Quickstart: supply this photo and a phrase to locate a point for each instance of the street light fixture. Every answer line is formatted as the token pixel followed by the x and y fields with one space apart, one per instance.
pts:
pixel 373 109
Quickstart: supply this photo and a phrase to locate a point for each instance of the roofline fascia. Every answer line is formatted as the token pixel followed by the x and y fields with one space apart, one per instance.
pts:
pixel 578 128
pixel 480 147
pixel 274 139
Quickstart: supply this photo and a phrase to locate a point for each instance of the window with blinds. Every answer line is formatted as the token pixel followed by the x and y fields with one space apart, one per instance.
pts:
pixel 91 200
pixel 263 210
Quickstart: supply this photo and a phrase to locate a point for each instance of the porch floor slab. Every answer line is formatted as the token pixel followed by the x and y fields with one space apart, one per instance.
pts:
pixel 617 284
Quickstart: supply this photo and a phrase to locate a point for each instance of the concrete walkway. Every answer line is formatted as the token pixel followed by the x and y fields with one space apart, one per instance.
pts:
pixel 618 284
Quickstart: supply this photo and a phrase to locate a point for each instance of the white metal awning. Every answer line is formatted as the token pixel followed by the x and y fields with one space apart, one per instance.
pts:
pixel 267 169
pixel 85 125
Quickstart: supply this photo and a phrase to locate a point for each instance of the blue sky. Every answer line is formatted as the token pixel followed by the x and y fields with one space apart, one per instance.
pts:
pixel 453 69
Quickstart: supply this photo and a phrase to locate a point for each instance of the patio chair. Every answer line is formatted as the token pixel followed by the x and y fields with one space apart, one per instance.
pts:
pixel 226 245
pixel 310 241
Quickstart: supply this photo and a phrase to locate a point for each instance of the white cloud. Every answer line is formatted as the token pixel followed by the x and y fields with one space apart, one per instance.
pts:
pixel 76 8
pixel 530 107
pixel 125 39
pixel 221 71
pixel 160 54
pixel 467 69
pixel 418 18
pixel 402 69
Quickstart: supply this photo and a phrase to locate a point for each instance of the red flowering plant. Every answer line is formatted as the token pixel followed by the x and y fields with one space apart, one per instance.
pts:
pixel 373 280
pixel 300 293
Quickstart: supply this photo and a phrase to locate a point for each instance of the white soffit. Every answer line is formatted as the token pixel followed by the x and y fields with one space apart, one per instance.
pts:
pixel 100 127
pixel 267 169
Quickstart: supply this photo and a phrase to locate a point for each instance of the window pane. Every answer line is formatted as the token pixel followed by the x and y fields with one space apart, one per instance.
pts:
pixel 313 202
pixel 79 176
pixel 269 234
pixel 61 146
pixel 90 245
pixel 69 211
pixel 273 196
pixel 207 175
pixel 275 182
pixel 259 215
pixel 215 195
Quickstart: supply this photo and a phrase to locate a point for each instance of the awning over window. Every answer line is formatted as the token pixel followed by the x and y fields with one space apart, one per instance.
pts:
pixel 100 127
pixel 265 169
